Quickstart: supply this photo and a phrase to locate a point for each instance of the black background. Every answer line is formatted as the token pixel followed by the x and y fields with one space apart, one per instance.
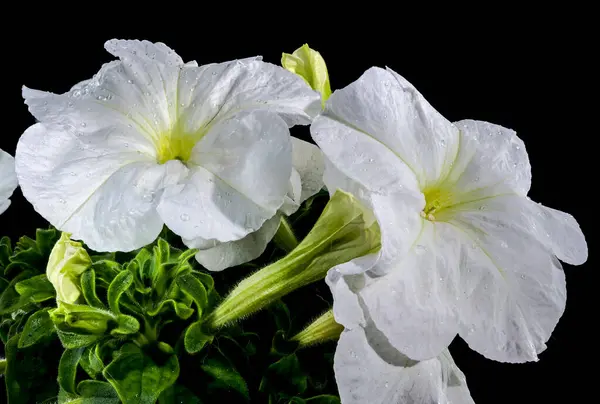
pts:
pixel 531 75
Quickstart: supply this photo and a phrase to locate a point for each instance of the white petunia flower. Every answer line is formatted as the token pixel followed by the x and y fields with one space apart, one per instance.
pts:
pixel 305 181
pixel 464 250
pixel 368 369
pixel 8 179
pixel 150 140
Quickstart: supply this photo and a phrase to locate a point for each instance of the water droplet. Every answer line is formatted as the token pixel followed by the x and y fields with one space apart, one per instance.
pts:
pixel 353 354
pixel 70 104
pixel 522 276
pixel 486 287
pixel 386 384
pixel 441 279
pixel 148 197
pixel 130 81
pixel 73 173
pixel 420 249
pixel 62 201
pixel 482 207
pixel 184 217
pixel 503 244
pixel 83 124
pixel 214 73
pixel 443 142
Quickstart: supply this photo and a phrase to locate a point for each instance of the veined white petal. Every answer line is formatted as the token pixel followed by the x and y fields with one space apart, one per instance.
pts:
pixel 93 186
pixel 240 173
pixel 369 370
pixel 8 179
pixel 292 200
pixel 389 133
pixel 491 161
pixel 513 288
pixel 347 310
pixel 216 256
pixel 413 304
pixel 216 92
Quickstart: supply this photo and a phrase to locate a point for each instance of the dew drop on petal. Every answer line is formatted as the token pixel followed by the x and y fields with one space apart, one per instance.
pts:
pixel 184 217
pixel 503 244
pixel 148 197
pixel 420 249
pixel 83 124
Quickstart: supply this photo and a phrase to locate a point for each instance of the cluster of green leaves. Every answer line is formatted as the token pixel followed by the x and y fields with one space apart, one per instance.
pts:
pixel 137 332
pixel 26 295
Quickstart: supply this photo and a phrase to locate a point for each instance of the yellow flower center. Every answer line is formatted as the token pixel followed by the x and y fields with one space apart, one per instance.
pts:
pixel 176 145
pixel 437 198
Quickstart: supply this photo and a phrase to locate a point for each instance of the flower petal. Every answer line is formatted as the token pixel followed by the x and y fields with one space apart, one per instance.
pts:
pixel 8 179
pixel 513 287
pixel 392 136
pixel 369 370
pixel 216 92
pixel 346 305
pixel 216 256
pixel 240 174
pixel 491 161
pixel 396 214
pixel 93 186
pixel 307 159
pixel 413 304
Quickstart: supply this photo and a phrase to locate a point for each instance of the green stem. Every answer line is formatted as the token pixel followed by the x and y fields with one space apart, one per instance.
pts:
pixel 321 330
pixel 285 238
pixel 340 235
pixel 2 366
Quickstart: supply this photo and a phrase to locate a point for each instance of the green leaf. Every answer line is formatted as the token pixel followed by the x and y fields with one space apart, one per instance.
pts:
pixel 71 340
pixel 96 392
pixel 30 374
pixel 88 288
pixel 195 338
pixel 194 288
pixel 323 399
pixel 178 394
pixel 137 378
pixel 11 300
pixel 117 287
pixel 181 310
pixel 67 369
pixel 225 377
pixel 286 376
pixel 38 326
pixel 105 271
pixel 5 252
pixel 281 315
pixel 206 279
pixel 126 325
pixel 91 363
pixel 37 288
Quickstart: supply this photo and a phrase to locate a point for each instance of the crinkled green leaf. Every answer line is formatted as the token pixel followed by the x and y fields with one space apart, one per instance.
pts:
pixel 126 325
pixel 96 392
pixel 72 340
pixel 5 252
pixel 30 374
pixel 91 363
pixel 225 378
pixel 194 288
pixel 105 272
pixel 281 315
pixel 195 338
pixel 36 289
pixel 117 287
pixel 283 346
pixel 284 376
pixel 137 378
pixel 178 394
pixel 33 254
pixel 88 288
pixel 206 279
pixel 67 369
pixel 38 326
pixel 11 300
pixel 181 310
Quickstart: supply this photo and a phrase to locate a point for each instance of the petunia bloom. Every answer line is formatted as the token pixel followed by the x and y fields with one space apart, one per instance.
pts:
pixel 464 250
pixel 151 140
pixel 8 179
pixel 305 181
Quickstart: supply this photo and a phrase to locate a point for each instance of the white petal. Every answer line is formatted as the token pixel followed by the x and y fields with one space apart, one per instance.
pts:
pixel 413 305
pixel 491 161
pixel 346 305
pixel 240 175
pixel 457 391
pixel 216 256
pixel 216 92
pixel 93 186
pixel 8 179
pixel 388 132
pixel 368 370
pixel 396 214
pixel 292 202
pixel 513 287
pixel 307 159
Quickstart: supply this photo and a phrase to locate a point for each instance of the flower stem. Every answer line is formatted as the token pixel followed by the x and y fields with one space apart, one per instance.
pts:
pixel 340 235
pixel 2 366
pixel 285 238
pixel 321 330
